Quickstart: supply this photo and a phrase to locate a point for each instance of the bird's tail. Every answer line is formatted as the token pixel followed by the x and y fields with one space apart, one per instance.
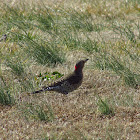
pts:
pixel 44 89
pixel 38 91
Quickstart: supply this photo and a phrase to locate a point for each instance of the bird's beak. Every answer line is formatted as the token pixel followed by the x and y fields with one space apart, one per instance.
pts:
pixel 86 60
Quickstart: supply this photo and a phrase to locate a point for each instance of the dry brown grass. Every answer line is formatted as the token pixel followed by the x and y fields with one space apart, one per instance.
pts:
pixel 77 115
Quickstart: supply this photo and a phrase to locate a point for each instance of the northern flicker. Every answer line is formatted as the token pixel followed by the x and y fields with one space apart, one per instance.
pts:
pixel 71 83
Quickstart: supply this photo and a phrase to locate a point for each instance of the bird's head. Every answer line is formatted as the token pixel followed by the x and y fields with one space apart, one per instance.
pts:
pixel 79 65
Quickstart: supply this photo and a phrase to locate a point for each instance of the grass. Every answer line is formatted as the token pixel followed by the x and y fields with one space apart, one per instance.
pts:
pixel 37 112
pixel 16 67
pixel 44 41
pixel 6 97
pixel 105 61
pixel 104 107
pixel 5 93
pixel 127 31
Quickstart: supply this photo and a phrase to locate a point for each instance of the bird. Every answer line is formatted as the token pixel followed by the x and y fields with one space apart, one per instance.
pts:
pixel 70 83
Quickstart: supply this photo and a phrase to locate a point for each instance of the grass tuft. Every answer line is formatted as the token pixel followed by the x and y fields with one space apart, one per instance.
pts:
pixel 105 61
pixel 44 52
pixel 46 20
pixel 38 112
pixel 17 67
pixel 127 31
pixel 46 55
pixel 44 115
pixel 5 97
pixel 104 107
